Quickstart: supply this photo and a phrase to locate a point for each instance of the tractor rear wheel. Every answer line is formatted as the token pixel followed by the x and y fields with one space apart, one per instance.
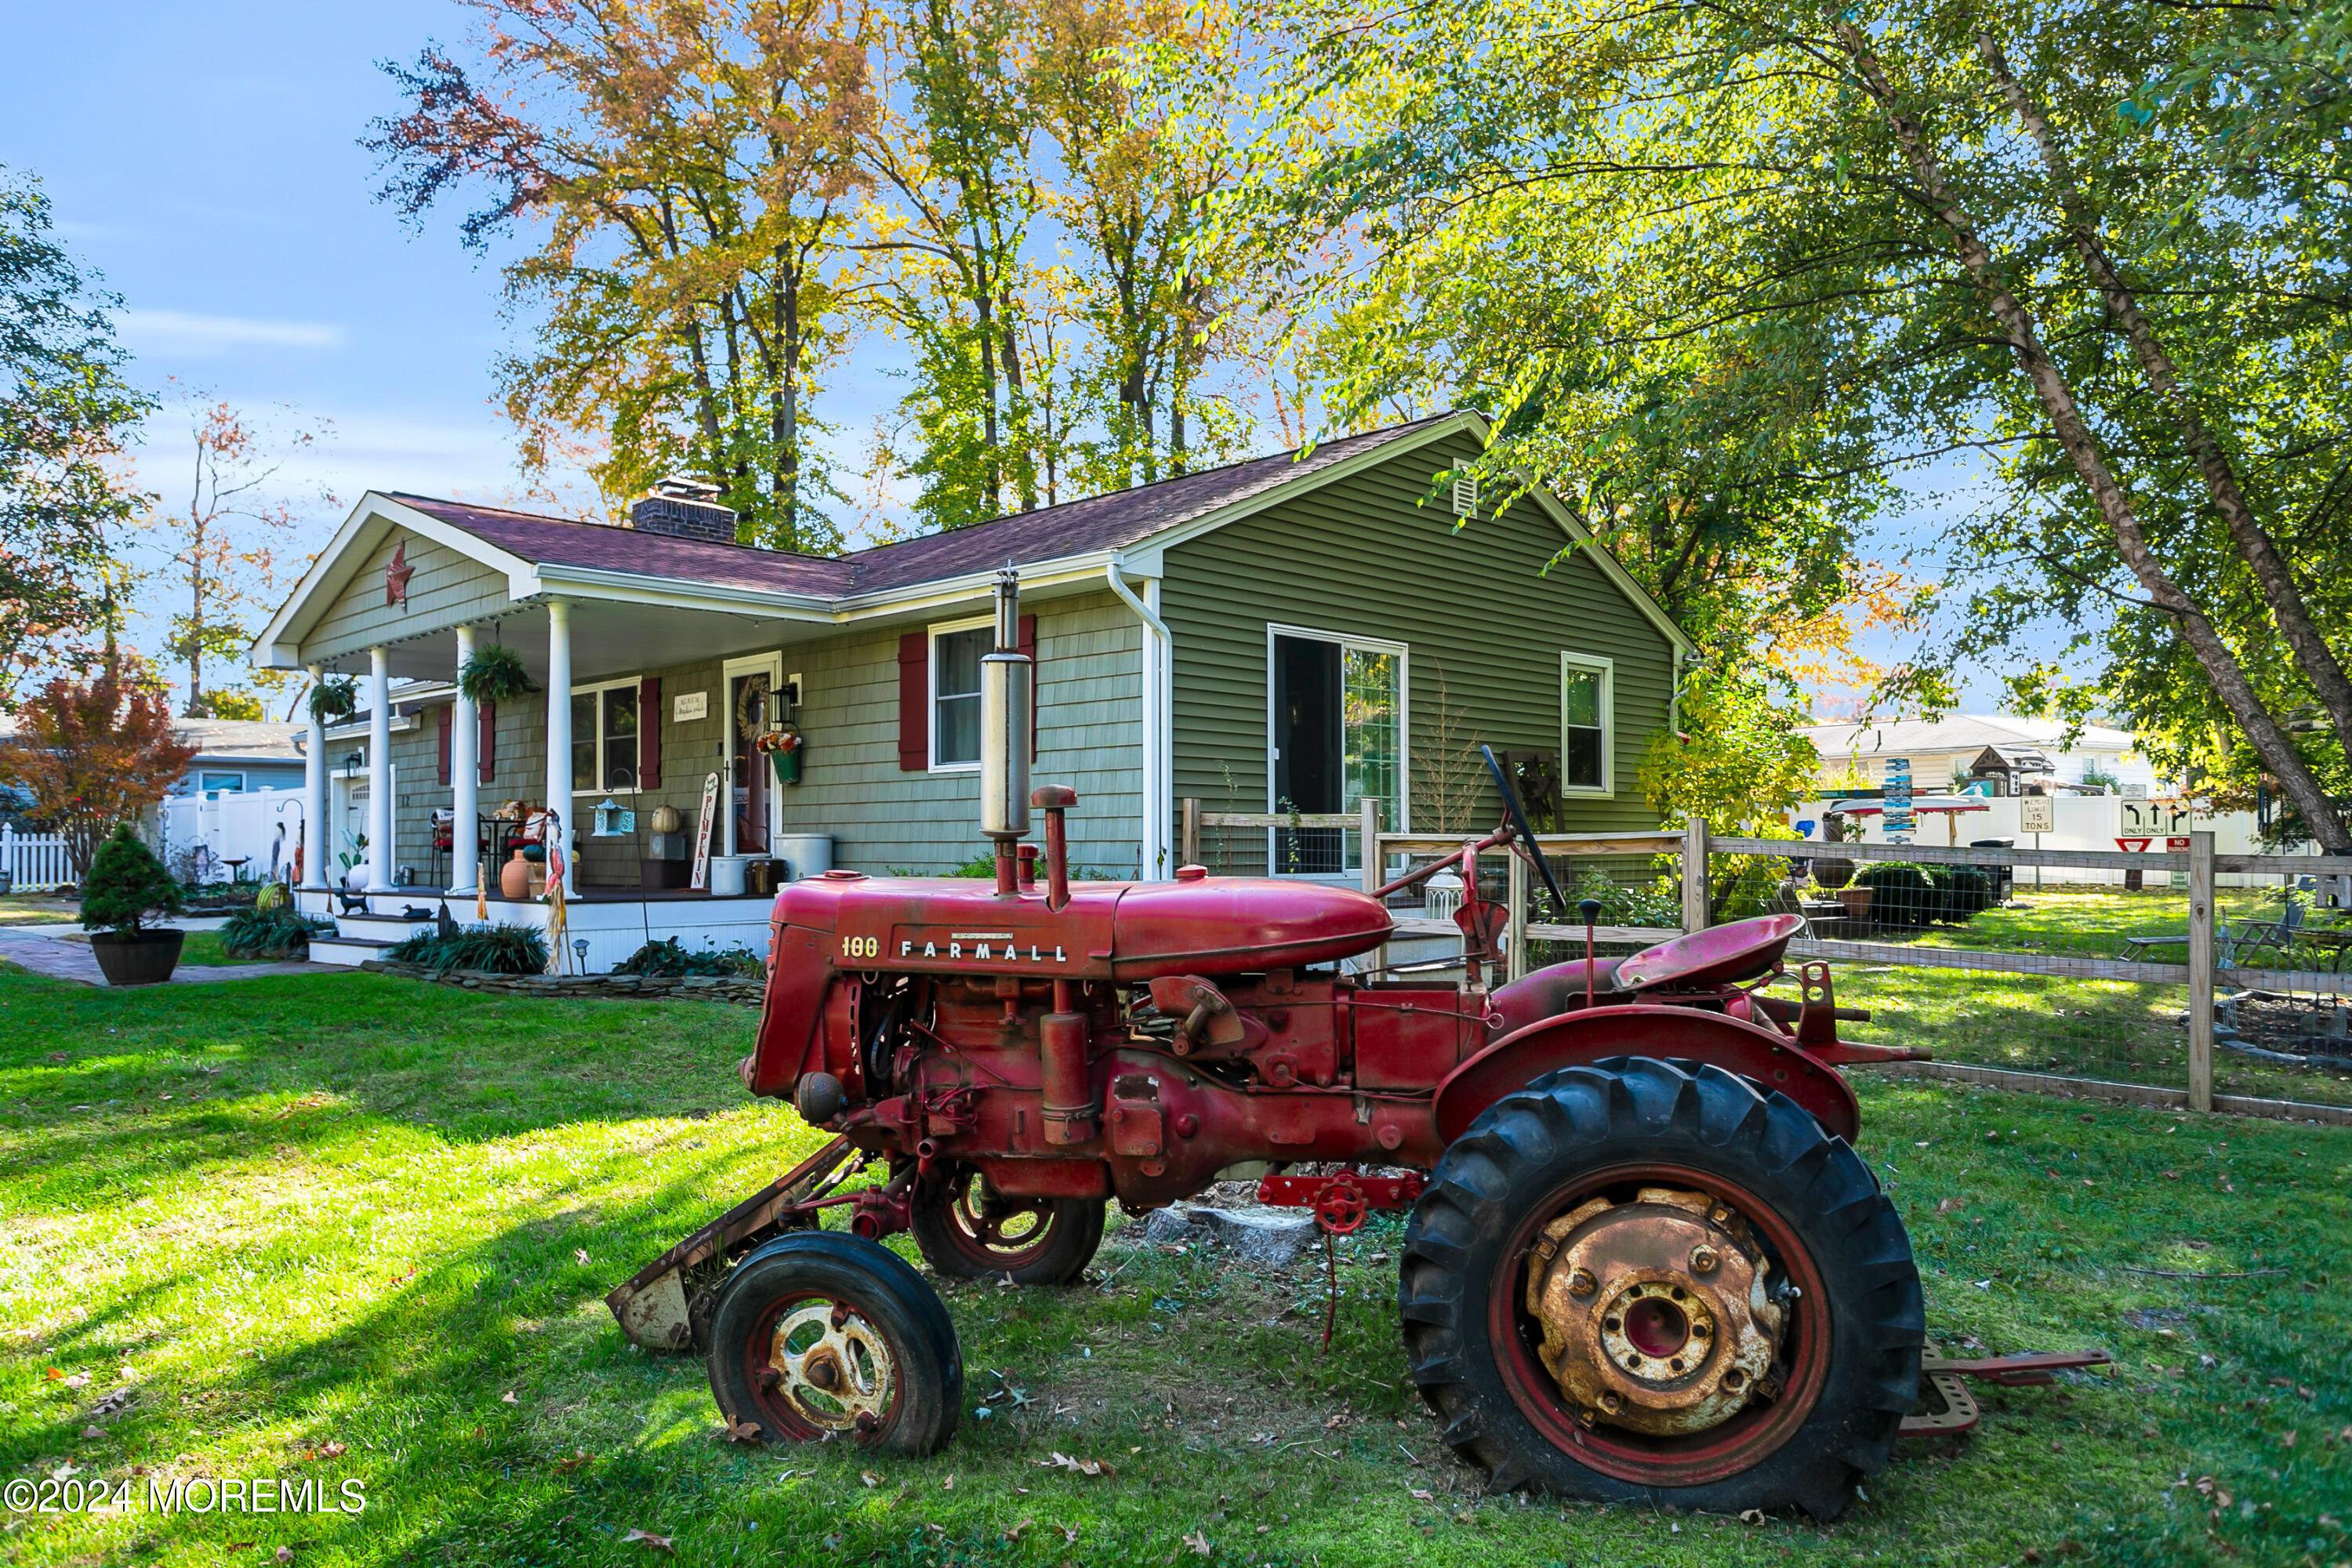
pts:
pixel 967 1231
pixel 1644 1281
pixel 819 1335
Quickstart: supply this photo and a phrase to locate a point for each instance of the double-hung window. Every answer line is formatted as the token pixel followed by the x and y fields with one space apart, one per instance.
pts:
pixel 604 738
pixel 956 653
pixel 1585 724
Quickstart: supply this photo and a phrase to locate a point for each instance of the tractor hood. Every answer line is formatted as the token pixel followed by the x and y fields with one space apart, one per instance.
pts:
pixel 1108 930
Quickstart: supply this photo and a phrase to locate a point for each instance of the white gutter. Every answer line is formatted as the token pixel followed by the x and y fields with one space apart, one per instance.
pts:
pixel 1157 856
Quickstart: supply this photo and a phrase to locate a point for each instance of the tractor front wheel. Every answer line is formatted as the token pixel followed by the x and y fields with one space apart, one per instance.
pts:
pixel 967 1231
pixel 1643 1281
pixel 820 1335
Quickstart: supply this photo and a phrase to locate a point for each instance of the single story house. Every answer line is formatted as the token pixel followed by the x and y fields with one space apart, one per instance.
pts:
pixel 2024 752
pixel 1299 632
pixel 240 754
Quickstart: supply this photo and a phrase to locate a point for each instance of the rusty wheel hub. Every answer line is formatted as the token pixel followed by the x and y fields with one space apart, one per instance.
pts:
pixel 1657 1314
pixel 832 1366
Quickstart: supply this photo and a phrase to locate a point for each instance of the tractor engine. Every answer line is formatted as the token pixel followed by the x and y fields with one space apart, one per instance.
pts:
pixel 1132 1041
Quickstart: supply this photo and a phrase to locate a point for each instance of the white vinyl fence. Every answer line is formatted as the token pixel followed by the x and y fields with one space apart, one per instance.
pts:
pixel 35 861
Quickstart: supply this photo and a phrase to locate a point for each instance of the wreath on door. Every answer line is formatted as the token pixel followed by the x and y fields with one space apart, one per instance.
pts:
pixel 752 707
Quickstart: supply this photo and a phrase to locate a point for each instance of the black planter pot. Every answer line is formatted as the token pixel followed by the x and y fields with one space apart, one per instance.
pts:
pixel 146 958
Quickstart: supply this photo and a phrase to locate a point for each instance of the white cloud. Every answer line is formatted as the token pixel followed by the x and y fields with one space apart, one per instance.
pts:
pixel 185 333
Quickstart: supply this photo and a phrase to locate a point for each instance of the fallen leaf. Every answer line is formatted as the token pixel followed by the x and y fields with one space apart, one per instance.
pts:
pixel 1751 1516
pixel 286 1555
pixel 1943 1205
pixel 1198 1542
pixel 508 1397
pixel 740 1432
pixel 1083 1466
pixel 1070 1534
pixel 649 1540
pixel 1421 1494
pixel 333 1451
pixel 2288 1440
pixel 581 1253
pixel 579 1457
pixel 78 1380
pixel 947 1485
pixel 869 1478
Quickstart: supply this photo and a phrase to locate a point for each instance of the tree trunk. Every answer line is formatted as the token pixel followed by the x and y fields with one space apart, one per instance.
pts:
pixel 785 401
pixel 2270 571
pixel 2221 668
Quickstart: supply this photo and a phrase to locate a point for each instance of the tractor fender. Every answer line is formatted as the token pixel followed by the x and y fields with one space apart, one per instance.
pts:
pixel 1766 1057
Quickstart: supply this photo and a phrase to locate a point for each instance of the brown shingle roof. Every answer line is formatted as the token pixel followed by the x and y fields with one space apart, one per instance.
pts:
pixel 1109 521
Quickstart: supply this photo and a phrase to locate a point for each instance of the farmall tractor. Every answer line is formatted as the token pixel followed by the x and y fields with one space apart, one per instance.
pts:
pixel 1642 1260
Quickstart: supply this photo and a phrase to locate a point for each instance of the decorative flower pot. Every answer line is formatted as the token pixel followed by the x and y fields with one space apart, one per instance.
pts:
pixel 514 878
pixel 141 957
pixel 1832 872
pixel 1857 904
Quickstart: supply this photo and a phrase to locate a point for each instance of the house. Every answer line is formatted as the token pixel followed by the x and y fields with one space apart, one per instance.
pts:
pixel 2019 753
pixel 240 754
pixel 1302 631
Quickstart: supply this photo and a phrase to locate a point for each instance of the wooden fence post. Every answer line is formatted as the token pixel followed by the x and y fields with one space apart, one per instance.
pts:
pixel 1188 851
pixel 1516 898
pixel 1368 830
pixel 1694 873
pixel 2202 956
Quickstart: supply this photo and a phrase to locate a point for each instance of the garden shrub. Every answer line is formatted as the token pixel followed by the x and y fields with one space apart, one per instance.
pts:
pixel 1658 904
pixel 126 885
pixel 278 932
pixel 669 957
pixel 1968 889
pixel 493 949
pixel 1901 892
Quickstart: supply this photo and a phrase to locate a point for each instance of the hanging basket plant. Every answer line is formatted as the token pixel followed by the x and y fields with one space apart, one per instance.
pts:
pixel 335 697
pixel 494 674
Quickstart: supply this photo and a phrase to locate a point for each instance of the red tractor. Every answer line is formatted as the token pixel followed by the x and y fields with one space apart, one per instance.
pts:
pixel 1642 1260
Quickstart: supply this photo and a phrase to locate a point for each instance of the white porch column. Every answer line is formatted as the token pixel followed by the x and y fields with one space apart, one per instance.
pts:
pixel 379 701
pixel 464 781
pixel 317 840
pixel 559 727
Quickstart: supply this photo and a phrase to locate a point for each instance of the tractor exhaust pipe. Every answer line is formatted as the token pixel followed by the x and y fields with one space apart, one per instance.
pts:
pixel 1005 699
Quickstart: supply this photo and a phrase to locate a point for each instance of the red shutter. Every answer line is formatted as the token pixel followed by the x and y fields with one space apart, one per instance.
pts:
pixel 1028 632
pixel 649 732
pixel 490 741
pixel 447 709
pixel 913 701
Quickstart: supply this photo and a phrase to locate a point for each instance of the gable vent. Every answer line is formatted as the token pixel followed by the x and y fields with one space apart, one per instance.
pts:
pixel 685 509
pixel 1466 496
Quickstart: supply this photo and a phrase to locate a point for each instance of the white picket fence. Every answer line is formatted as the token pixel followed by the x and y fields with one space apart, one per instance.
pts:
pixel 35 861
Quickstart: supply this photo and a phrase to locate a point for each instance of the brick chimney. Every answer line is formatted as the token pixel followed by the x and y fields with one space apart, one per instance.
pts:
pixel 685 509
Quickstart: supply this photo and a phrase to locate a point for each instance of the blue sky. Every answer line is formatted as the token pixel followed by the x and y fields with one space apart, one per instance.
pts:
pixel 205 159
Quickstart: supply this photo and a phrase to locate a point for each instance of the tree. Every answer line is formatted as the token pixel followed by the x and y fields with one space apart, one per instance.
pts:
pixel 1762 256
pixel 224 544
pixel 690 166
pixel 126 884
pixel 64 412
pixel 95 753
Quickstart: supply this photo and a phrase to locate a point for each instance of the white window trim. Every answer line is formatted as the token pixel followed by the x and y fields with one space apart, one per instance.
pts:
pixel 1596 664
pixel 1403 652
pixel 598 687
pixel 931 692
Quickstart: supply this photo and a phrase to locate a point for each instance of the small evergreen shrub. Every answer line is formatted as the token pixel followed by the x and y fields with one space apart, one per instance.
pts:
pixel 669 958
pixel 126 885
pixel 278 932
pixel 493 949
pixel 1901 892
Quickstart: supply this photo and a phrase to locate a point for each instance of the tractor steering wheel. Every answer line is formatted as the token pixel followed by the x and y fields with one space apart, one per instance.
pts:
pixel 1527 845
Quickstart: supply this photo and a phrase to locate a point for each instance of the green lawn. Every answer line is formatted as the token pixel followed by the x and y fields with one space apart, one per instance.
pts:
pixel 366 1235
pixel 36 908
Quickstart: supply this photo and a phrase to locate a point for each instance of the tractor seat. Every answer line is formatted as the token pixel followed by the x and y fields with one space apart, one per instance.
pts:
pixel 1552 991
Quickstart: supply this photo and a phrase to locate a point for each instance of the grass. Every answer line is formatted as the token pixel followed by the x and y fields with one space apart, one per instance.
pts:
pixel 361 1232
pixel 38 909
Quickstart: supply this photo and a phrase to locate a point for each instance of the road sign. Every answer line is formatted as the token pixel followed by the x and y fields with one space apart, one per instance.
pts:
pixel 2037 814
pixel 2134 846
pixel 2176 845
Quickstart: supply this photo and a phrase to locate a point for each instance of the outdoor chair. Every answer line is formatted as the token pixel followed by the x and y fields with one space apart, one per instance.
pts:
pixel 2234 941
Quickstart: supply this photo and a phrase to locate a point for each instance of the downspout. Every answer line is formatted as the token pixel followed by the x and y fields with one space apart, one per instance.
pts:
pixel 1157 662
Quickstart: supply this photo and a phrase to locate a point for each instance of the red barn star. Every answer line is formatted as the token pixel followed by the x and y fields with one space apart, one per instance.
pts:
pixel 396 573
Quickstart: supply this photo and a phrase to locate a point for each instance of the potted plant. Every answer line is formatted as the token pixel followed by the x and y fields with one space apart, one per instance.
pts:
pixel 494 673
pixel 1832 872
pixel 125 886
pixel 335 697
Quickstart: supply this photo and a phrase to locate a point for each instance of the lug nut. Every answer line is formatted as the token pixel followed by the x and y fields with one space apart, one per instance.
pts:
pixel 1582 1283
pixel 1612 1402
pixel 1703 1259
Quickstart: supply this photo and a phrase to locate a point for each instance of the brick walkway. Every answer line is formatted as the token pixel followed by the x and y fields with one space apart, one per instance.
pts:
pixel 60 958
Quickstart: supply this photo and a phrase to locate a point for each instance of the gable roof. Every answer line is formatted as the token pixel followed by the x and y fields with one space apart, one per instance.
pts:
pixel 1958 731
pixel 522 543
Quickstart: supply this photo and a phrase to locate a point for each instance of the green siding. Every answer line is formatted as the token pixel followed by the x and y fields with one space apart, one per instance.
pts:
pixel 446 589
pixel 1089 650
pixel 1360 557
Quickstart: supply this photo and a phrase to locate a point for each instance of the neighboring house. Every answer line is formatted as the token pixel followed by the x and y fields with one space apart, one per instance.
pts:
pixel 240 754
pixel 1278 631
pixel 2021 751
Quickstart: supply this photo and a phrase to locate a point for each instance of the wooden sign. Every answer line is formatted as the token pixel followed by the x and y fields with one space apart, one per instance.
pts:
pixel 690 705
pixel 702 832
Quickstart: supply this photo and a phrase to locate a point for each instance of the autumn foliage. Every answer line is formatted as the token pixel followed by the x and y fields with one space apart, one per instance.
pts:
pixel 94 754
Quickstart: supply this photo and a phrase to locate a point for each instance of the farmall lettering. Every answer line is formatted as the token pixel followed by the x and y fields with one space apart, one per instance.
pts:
pixel 1643 1259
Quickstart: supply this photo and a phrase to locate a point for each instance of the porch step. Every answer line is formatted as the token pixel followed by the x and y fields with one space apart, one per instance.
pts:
pixel 346 952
